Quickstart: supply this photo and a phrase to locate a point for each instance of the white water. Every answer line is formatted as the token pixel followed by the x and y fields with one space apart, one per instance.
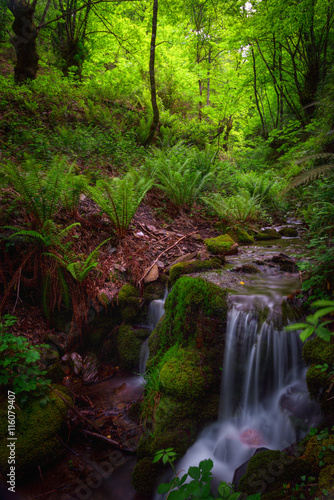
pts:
pixel 263 390
pixel 156 310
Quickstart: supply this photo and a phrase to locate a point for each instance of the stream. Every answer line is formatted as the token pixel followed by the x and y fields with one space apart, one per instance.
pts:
pixel 264 401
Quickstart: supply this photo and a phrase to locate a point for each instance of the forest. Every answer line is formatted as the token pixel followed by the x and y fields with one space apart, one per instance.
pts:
pixel 166 183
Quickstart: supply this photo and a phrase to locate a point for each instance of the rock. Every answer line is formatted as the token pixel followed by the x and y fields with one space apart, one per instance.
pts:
pixel 129 301
pixel 289 232
pixel 240 235
pixel 49 355
pixel 76 362
pixel 90 368
pixel 152 275
pixel 222 245
pixel 286 264
pixel 129 344
pixel 242 469
pixel 246 268
pixel 37 427
pixel 267 234
pixel 203 255
pixel 194 266
pixel 182 258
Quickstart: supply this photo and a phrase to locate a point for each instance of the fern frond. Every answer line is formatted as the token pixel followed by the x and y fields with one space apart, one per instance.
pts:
pixel 308 176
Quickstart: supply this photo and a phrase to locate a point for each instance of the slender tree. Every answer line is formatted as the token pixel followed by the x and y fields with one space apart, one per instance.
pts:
pixel 155 121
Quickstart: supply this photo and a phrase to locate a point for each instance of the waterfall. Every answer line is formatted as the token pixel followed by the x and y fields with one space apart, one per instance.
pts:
pixel 156 310
pixel 264 400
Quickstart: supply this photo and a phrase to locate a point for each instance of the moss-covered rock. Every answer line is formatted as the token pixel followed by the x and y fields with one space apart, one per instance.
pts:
pixel 182 376
pixel 154 291
pixel 193 267
pixel 318 351
pixel 288 232
pixel 267 234
pixel 325 481
pixel 195 313
pixel 145 476
pixel 36 430
pixel 129 343
pixel 129 301
pixel 240 235
pixel 320 451
pixel 221 245
pixel 319 383
pixel 268 470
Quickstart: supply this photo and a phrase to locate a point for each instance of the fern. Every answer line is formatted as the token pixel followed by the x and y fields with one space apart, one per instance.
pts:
pixel 235 209
pixel 73 186
pixel 259 188
pixel 40 189
pixel 313 173
pixel 119 198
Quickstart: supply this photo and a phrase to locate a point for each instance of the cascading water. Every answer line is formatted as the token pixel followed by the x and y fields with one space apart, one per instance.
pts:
pixel 156 310
pixel 263 384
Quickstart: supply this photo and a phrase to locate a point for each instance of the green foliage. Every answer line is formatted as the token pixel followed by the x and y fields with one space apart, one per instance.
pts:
pixel 120 198
pixel 259 187
pixel 312 322
pixel 178 177
pixel 19 370
pixel 40 189
pixel 237 209
pixel 196 483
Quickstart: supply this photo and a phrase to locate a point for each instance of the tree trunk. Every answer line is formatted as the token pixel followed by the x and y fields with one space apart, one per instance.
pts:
pixel 155 108
pixel 24 41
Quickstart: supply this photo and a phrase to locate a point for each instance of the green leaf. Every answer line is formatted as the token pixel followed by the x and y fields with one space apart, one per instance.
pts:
pixel 323 312
pixel 295 326
pixel 206 465
pixel 164 488
pixel 194 472
pixel 307 333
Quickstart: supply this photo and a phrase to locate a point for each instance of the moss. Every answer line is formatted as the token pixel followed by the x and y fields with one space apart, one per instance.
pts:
pixel 267 470
pixel 221 245
pixel 325 480
pixel 55 373
pixel 145 476
pixel 129 301
pixel 240 235
pixel 36 429
pixel 268 234
pixel 195 309
pixel 193 267
pixel 129 342
pixel 171 410
pixel 320 450
pixel 177 438
pixel 318 351
pixel 183 378
pixel 154 291
pixel 288 232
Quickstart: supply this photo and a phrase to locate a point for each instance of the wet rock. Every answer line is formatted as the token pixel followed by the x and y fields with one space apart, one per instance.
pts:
pixel 286 264
pixel 49 355
pixel 289 232
pixel 90 368
pixel 246 268
pixel 267 234
pixel 242 469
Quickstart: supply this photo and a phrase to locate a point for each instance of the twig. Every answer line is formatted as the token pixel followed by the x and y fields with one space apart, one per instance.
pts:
pixel 148 232
pixel 156 260
pixel 67 447
pixel 107 440
pixel 75 410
